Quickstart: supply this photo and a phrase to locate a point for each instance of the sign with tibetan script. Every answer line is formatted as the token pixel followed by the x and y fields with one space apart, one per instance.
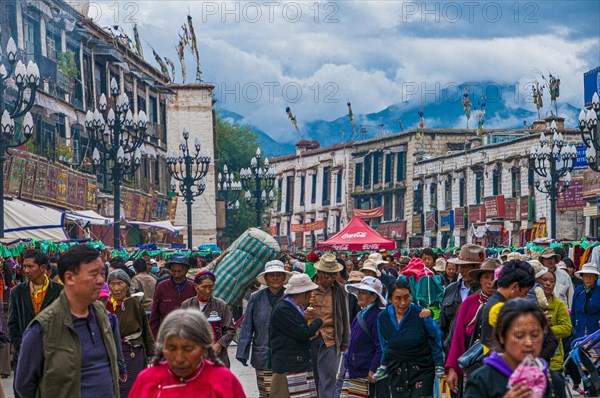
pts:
pixel 28 184
pixel 510 208
pixel 430 221
pixel 494 206
pixel 417 224
pixel 310 226
pixel 17 168
pixel 525 207
pixel 476 214
pixel 459 217
pixel 61 185
pixel 572 198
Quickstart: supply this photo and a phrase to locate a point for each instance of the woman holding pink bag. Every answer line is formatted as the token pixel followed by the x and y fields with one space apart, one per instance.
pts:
pixel 514 369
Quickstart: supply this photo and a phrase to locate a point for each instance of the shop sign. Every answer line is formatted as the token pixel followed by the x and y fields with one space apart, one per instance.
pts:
pixel 510 209
pixel 494 206
pixel 447 220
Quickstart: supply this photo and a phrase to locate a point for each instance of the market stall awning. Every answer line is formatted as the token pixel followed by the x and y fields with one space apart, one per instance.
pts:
pixel 357 235
pixel 88 216
pixel 24 220
pixel 166 225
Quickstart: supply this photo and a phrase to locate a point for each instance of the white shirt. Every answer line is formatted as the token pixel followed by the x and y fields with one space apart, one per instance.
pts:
pixel 464 291
pixel 564 287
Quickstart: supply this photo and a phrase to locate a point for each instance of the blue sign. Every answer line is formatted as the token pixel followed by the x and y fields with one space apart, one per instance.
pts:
pixel 447 220
pixel 580 162
pixel 591 85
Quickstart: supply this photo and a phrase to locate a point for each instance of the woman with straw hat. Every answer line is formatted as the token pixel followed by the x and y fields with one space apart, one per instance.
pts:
pixel 289 336
pixel 364 353
pixel 255 327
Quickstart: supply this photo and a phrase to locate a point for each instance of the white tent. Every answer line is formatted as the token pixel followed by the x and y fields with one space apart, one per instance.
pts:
pixel 166 225
pixel 24 220
pixel 88 216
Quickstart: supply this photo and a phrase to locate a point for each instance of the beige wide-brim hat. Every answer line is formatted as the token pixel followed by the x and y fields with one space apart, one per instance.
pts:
pixel 377 258
pixel 369 284
pixel 440 265
pixel 369 265
pixel 355 277
pixel 588 268
pixel 300 283
pixel 328 263
pixel 272 267
pixel 548 253
pixel 469 254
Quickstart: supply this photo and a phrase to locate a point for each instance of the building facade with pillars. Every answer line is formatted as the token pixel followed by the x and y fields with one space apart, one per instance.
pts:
pixel 77 60
pixel 312 194
pixel 191 109
pixel 486 194
pixel 381 175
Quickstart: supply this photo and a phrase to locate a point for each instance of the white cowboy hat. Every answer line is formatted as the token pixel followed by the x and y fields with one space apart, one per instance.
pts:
pixel 588 268
pixel 369 284
pixel 300 283
pixel 271 267
pixel 377 258
pixel 369 265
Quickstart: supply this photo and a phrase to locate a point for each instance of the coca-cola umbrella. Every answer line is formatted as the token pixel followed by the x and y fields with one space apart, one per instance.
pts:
pixel 357 235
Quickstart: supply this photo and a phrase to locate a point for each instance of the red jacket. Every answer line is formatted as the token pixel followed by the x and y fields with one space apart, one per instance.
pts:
pixel 166 299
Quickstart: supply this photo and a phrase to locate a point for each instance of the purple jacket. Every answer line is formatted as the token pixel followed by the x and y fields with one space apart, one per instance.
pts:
pixel 364 352
pixel 167 298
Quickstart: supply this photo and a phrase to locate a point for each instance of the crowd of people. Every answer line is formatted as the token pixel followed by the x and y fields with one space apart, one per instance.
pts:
pixel 327 325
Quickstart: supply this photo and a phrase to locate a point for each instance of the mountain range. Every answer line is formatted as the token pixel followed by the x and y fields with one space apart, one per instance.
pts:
pixel 506 107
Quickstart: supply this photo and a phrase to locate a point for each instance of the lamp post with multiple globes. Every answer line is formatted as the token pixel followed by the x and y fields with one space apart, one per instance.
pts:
pixel 25 79
pixel 117 134
pixel 257 180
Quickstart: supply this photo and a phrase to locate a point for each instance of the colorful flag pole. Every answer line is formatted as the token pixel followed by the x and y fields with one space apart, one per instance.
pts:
pixel 163 66
pixel 180 53
pixel 292 118
pixel 172 65
pixel 467 104
pixel 194 46
pixel 351 116
pixel 138 43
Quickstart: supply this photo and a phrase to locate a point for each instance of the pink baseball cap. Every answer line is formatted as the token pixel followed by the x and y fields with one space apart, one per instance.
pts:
pixel 105 292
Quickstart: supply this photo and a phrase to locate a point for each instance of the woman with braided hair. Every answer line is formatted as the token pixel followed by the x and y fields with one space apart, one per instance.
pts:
pixel 192 368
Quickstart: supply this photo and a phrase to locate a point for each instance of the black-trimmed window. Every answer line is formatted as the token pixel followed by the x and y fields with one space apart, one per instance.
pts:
pixel 313 193
pixel 433 195
pixel 399 208
pixel 389 167
pixel 367 172
pixel 302 189
pixel 358 177
pixel 418 200
pixel 462 192
pixel 478 188
pixel 496 182
pixel 289 194
pixel 401 167
pixel 377 168
pixel 339 186
pixel 516 183
pixel 326 180
pixel 388 207
pixel 448 194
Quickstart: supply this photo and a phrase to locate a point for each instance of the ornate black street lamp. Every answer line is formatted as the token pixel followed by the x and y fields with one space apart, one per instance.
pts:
pixel 590 134
pixel 553 160
pixel 190 171
pixel 23 78
pixel 257 181
pixel 229 191
pixel 117 134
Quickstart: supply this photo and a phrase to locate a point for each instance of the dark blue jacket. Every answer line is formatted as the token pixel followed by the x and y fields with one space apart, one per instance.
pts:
pixel 255 330
pixel 585 318
pixel 364 353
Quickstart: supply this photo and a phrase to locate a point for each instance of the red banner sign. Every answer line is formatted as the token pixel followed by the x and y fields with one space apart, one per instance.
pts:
pixel 494 206
pixel 524 208
pixel 311 226
pixel 476 213
pixel 510 208
pixel 459 218
pixel 369 213
pixel 393 230
pixel 572 198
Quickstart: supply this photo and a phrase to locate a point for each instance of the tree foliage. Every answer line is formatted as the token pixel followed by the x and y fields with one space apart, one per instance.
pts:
pixel 236 145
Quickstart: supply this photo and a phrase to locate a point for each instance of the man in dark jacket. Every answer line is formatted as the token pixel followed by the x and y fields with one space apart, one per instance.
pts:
pixel 470 257
pixel 172 292
pixel 29 298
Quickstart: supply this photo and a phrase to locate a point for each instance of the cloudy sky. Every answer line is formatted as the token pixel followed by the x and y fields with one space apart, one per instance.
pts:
pixel 316 56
